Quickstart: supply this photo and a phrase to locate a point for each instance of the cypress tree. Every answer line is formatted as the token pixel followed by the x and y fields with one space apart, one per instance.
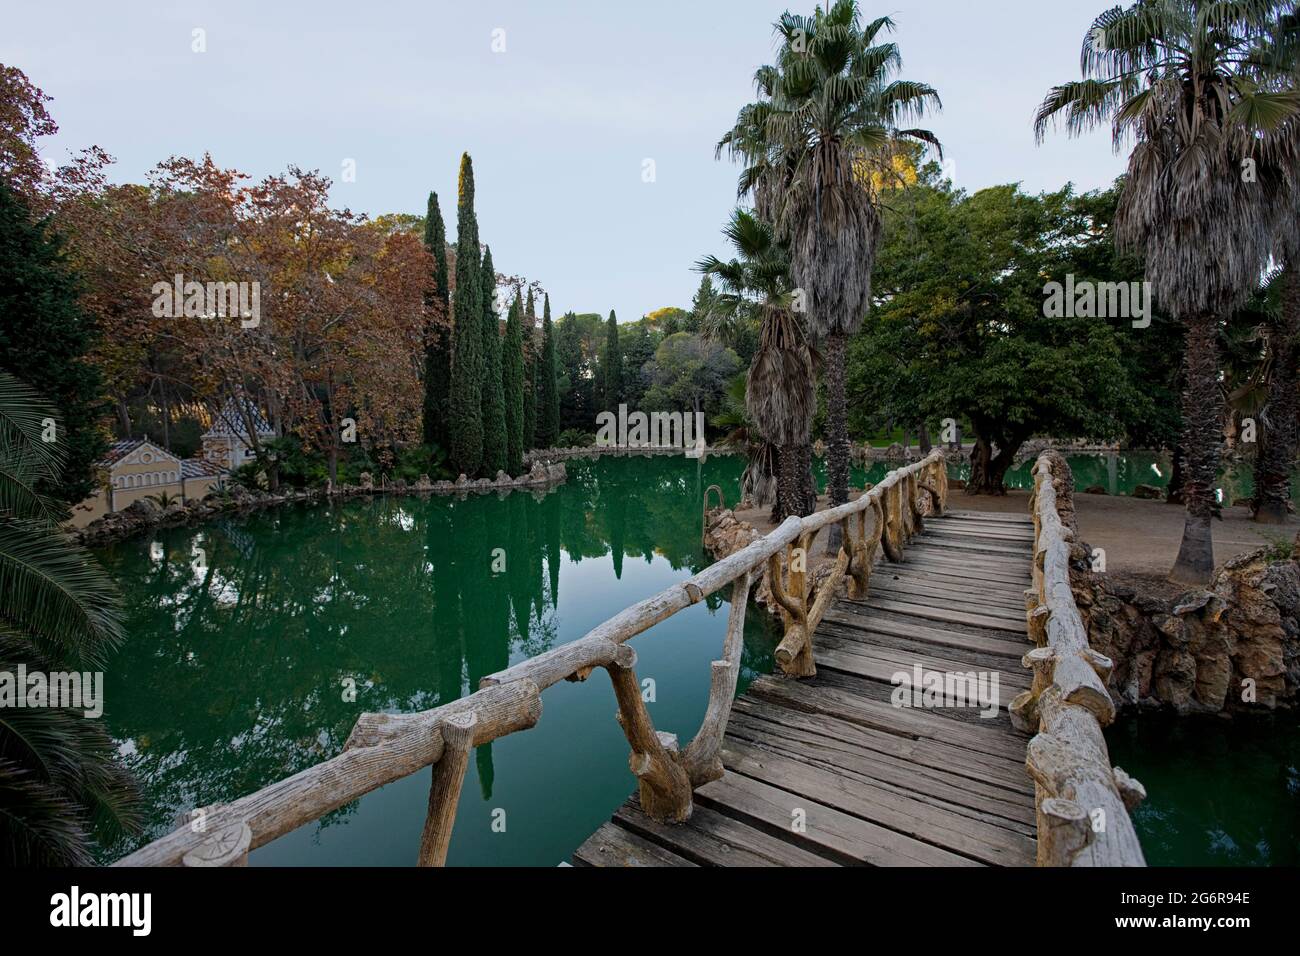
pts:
pixel 44 337
pixel 613 365
pixel 494 403
pixel 437 335
pixel 530 372
pixel 512 387
pixel 465 421
pixel 548 394
pixel 577 395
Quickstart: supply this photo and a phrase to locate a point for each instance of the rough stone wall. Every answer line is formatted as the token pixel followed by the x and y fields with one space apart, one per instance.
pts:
pixel 1233 646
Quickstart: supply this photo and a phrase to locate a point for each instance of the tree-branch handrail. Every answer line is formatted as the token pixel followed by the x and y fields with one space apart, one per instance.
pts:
pixel 1082 802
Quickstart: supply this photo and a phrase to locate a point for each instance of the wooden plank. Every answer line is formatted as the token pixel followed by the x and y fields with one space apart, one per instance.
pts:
pixel 922 821
pixel 989 567
pixel 986 730
pixel 852 625
pixel 886 770
pixel 985 531
pixel 906 574
pixel 976 595
pixel 710 838
pixel 1004 775
pixel 831 830
pixel 612 845
pixel 995 517
pixel 954 602
pixel 881 715
pixel 931 613
pixel 882 663
pixel 949 543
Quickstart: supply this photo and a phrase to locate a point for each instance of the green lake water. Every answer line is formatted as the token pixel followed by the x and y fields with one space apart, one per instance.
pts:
pixel 238 658
pixel 1220 792
pixel 234 675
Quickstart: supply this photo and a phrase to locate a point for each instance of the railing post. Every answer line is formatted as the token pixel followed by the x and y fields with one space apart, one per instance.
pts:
pixel 701 758
pixel 444 793
pixel 663 786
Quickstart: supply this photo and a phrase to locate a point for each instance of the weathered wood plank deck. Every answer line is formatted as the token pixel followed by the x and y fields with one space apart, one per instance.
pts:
pixel 827 772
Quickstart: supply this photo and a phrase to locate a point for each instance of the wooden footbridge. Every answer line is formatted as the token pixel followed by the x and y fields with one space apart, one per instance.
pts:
pixel 945 711
pixel 827 771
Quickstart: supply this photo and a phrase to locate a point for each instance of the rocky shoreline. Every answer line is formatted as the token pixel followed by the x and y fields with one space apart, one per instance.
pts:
pixel 146 514
pixel 1230 647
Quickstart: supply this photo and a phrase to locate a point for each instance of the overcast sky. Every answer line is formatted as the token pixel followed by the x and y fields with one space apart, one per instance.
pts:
pixel 560 124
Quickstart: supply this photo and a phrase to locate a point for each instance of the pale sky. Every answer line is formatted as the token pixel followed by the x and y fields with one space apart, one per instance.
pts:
pixel 560 124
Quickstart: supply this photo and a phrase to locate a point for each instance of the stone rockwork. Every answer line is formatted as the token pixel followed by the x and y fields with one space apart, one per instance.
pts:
pixel 725 534
pixel 592 452
pixel 1232 646
pixel 146 514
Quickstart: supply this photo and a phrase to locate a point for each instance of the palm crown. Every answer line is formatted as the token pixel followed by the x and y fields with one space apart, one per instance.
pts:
pixel 1199 87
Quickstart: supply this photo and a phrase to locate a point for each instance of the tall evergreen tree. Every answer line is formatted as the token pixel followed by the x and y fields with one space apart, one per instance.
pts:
pixel 640 349
pixel 548 392
pixel 437 345
pixel 576 389
pixel 702 304
pixel 512 387
pixel 494 405
pixel 529 336
pixel 613 365
pixel 465 420
pixel 44 335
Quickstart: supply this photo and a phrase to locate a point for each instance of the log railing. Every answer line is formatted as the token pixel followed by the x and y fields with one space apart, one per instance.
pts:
pixel 386 747
pixel 1083 802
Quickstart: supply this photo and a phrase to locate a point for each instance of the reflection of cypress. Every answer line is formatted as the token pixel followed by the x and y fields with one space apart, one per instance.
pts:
pixel 551 513
pixel 519 564
pixel 445 620
pixel 616 509
pixel 487 606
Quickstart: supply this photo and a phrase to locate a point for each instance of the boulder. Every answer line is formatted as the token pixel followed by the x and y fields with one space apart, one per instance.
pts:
pixel 1148 493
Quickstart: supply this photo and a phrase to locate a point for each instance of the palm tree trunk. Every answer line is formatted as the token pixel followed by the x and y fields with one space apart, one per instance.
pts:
pixel 789 487
pixel 1276 458
pixel 837 432
pixel 1203 407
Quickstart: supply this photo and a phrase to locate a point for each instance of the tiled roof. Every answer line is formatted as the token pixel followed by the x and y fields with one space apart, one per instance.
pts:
pixel 118 450
pixel 229 422
pixel 200 468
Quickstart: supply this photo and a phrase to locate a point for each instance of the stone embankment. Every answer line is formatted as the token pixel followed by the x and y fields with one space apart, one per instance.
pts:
pixel 1229 647
pixel 146 513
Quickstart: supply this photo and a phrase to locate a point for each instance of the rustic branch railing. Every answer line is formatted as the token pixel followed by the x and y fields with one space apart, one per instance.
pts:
pixel 1083 803
pixel 386 747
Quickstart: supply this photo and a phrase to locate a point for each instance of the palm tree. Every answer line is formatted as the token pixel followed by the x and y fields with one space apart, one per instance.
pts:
pixel 60 785
pixel 829 116
pixel 779 394
pixel 1184 80
pixel 740 434
pixel 1278 73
